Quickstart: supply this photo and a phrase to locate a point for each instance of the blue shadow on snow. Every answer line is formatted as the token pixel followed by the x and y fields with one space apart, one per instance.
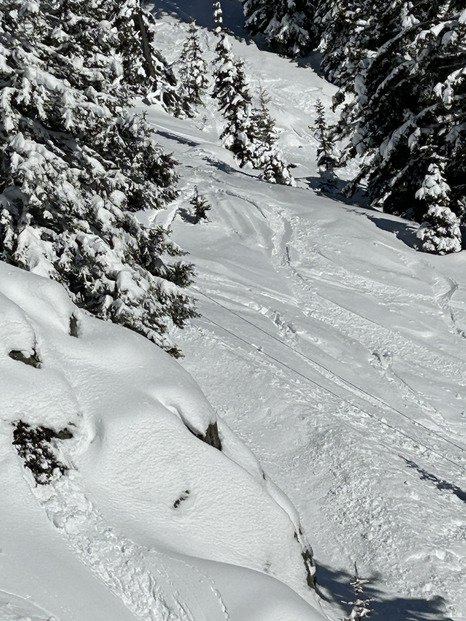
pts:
pixel 337 590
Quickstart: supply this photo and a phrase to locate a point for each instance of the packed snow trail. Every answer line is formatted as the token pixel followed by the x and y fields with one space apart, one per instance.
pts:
pixel 117 561
pixel 332 347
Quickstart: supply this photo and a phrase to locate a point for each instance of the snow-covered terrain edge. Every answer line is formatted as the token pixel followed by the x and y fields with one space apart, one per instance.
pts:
pixel 142 499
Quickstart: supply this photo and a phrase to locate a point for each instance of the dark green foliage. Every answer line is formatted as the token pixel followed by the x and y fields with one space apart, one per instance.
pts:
pixel 145 70
pixel 238 134
pixel 36 447
pixel 287 26
pixel 200 207
pixel 76 167
pixel 267 155
pixel 193 68
pixel 402 71
pixel 327 158
pixel 234 102
pixel 249 132
pixel 440 231
pixel 218 16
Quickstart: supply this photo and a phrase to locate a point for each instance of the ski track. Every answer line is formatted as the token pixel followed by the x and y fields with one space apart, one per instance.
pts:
pixel 373 336
pixel 366 493
pixel 354 506
pixel 115 560
pixel 354 509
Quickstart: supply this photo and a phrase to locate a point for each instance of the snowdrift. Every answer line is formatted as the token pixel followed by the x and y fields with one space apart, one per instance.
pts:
pixel 140 485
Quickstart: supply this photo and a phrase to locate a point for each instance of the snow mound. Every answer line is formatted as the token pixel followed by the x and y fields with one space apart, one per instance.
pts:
pixel 139 475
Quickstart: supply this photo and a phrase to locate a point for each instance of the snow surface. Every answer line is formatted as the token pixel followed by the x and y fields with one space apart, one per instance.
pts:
pixel 335 350
pixel 140 482
pixel 326 343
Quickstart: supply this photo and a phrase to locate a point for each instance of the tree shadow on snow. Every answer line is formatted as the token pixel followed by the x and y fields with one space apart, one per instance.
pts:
pixel 440 484
pixel 404 231
pixel 335 588
pixel 202 13
pixel 180 139
pixel 224 167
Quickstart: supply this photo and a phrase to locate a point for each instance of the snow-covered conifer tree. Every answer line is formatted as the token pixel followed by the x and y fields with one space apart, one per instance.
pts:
pixel 193 68
pixel 440 231
pixel 275 169
pixel 200 207
pixel 76 166
pixel 224 70
pixel 327 158
pixel 267 154
pixel 145 69
pixel 406 102
pixel 286 24
pixel 238 134
pixel 249 133
pixel 234 101
pixel 218 17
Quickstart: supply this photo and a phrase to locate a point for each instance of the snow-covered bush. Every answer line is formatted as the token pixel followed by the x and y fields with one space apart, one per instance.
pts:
pixel 200 207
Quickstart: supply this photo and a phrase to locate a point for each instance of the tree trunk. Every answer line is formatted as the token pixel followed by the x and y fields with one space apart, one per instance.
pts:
pixel 140 25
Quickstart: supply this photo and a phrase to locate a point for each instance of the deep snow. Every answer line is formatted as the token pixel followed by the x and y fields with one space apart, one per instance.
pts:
pixel 326 343
pixel 141 487
pixel 334 349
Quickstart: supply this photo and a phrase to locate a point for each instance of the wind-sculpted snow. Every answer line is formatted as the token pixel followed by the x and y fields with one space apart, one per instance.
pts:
pixel 117 426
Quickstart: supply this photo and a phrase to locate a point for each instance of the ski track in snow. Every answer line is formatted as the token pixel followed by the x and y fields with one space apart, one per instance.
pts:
pixel 366 492
pixel 117 561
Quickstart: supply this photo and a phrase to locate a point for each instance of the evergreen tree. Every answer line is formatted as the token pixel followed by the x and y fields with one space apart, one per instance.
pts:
pixel 238 134
pixel 360 605
pixel 193 70
pixel 145 69
pixel 234 102
pixel 200 207
pixel 125 32
pixel 249 133
pixel 224 70
pixel 218 17
pixel 440 231
pixel 286 24
pixel 327 158
pixel 76 167
pixel 267 154
pixel 406 101
pixel 264 125
pixel 275 169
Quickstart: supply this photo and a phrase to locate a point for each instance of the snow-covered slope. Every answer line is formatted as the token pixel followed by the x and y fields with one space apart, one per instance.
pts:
pixel 334 349
pixel 330 347
pixel 140 489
